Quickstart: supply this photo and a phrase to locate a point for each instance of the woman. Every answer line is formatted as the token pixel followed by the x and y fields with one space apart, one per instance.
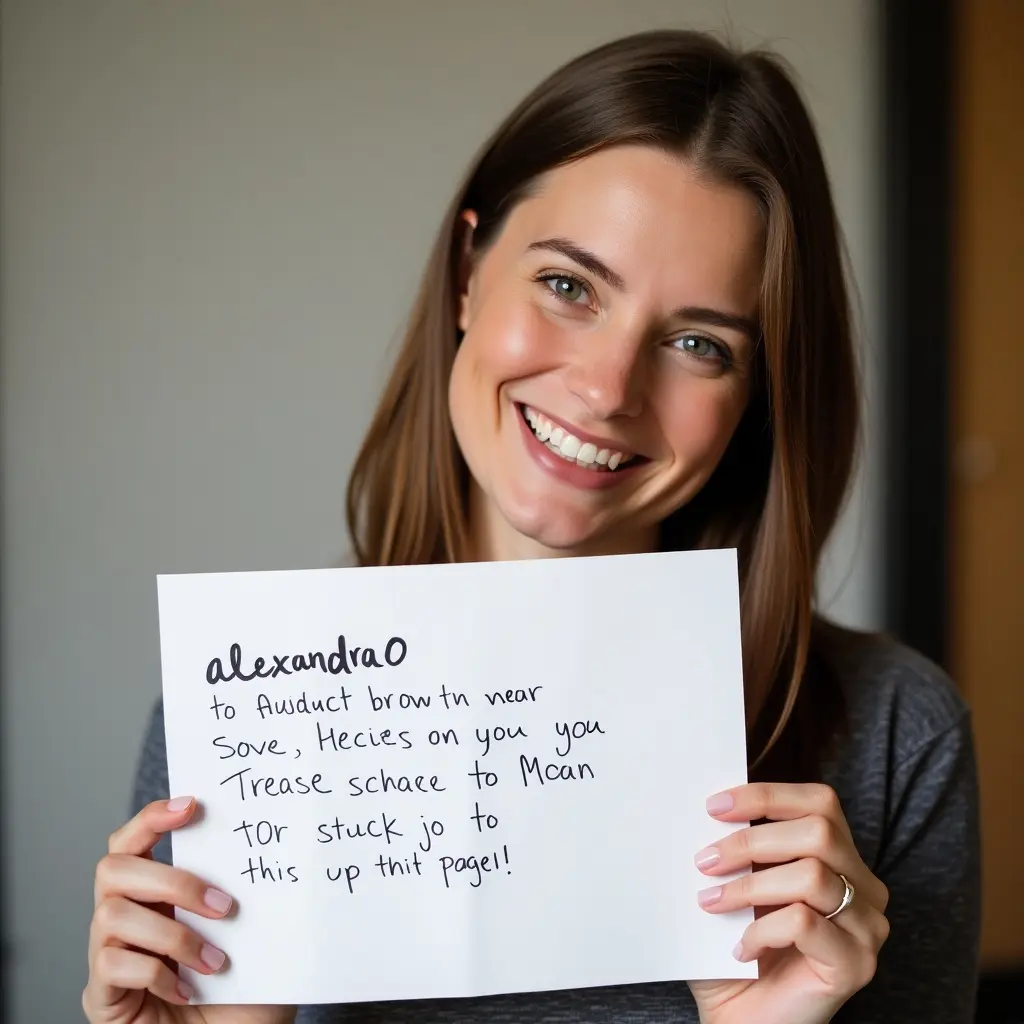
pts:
pixel 633 335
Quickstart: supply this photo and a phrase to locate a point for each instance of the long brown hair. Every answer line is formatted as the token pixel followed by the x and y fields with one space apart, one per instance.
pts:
pixel 779 488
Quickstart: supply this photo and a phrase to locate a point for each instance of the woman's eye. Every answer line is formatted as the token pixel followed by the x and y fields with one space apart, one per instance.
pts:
pixel 700 347
pixel 567 288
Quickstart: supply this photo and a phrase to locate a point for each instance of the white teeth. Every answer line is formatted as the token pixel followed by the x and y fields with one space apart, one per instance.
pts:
pixel 570 446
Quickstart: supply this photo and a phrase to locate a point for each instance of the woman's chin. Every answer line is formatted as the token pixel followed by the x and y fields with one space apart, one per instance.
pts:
pixel 559 529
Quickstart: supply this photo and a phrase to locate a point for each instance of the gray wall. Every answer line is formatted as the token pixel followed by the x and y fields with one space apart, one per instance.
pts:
pixel 214 214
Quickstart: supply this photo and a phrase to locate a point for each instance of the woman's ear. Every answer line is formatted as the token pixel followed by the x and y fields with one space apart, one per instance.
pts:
pixel 465 227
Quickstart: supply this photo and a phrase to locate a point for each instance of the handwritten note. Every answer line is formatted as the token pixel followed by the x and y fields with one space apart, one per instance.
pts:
pixel 455 780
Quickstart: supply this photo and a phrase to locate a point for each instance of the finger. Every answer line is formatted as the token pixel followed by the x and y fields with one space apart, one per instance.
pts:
pixel 121 922
pixel 805 881
pixel 148 881
pixel 778 842
pixel 139 835
pixel 777 802
pixel 117 970
pixel 844 964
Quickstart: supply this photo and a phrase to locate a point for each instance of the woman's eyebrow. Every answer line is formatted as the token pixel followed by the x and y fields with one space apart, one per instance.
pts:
pixel 702 314
pixel 584 257
pixel 718 318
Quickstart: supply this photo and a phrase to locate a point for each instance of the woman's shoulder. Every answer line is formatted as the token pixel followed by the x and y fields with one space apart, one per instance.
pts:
pixel 892 692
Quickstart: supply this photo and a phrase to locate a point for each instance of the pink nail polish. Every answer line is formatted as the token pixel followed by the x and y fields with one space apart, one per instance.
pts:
pixel 707 858
pixel 720 803
pixel 185 990
pixel 179 803
pixel 708 896
pixel 212 957
pixel 217 900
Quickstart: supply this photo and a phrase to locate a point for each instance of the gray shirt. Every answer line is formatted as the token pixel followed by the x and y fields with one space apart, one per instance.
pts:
pixel 905 774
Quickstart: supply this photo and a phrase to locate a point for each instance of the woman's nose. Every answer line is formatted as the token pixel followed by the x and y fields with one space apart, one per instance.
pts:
pixel 608 377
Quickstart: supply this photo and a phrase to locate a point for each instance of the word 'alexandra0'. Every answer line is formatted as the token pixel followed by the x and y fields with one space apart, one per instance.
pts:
pixel 342 659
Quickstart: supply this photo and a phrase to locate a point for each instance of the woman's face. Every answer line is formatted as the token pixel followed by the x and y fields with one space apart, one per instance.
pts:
pixel 607 355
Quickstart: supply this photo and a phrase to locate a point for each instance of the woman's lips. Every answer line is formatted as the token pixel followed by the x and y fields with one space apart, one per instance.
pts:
pixel 569 471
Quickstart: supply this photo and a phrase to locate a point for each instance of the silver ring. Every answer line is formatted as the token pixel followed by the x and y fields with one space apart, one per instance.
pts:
pixel 847 898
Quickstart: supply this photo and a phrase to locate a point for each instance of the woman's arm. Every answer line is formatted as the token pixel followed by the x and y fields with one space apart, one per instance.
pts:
pixel 928 969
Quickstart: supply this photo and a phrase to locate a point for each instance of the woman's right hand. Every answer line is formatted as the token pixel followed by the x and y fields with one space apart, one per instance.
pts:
pixel 134 935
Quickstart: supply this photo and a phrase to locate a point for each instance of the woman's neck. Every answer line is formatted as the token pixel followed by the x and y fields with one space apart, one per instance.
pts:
pixel 493 539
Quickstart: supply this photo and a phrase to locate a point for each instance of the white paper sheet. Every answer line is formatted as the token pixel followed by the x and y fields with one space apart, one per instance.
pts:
pixel 596 704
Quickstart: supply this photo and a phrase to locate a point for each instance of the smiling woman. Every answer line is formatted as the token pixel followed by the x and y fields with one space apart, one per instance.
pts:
pixel 633 335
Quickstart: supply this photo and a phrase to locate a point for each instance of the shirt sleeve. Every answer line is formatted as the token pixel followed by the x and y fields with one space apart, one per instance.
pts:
pixel 151 775
pixel 928 969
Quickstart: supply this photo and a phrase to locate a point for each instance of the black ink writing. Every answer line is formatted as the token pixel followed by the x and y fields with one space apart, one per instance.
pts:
pixel 476 866
pixel 436 738
pixel 274 786
pixel 455 698
pixel 351 873
pixel 265 832
pixel 384 783
pixel 576 731
pixel 390 867
pixel 513 696
pixel 551 772
pixel 244 748
pixel 497 734
pixel 384 828
pixel 343 659
pixel 362 739
pixel 435 828
pixel 483 778
pixel 268 873
pixel 482 819
pixel 405 700
pixel 302 705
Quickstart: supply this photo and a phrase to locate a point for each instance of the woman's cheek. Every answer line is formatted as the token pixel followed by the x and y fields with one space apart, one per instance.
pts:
pixel 521 342
pixel 699 419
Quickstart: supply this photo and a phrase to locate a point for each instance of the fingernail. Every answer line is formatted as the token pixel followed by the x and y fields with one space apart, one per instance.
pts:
pixel 738 953
pixel 720 803
pixel 185 990
pixel 217 900
pixel 708 896
pixel 212 957
pixel 179 803
pixel 707 858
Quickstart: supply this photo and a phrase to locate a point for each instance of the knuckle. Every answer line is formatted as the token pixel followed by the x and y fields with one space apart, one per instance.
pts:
pixel 883 930
pixel 185 944
pixel 105 964
pixel 742 888
pixel 767 798
pixel 804 919
pixel 883 896
pixel 827 799
pixel 822 834
pixel 113 839
pixel 817 877
pixel 108 914
pixel 106 871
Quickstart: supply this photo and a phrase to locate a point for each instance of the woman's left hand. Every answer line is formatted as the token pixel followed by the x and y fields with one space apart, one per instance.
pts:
pixel 808 966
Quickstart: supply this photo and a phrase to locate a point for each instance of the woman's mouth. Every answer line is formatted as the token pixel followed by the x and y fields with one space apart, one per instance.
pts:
pixel 601 463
